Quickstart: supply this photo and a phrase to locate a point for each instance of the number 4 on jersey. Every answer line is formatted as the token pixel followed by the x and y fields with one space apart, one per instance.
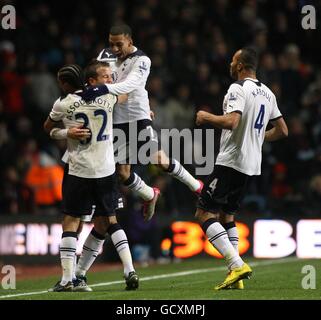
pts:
pixel 259 120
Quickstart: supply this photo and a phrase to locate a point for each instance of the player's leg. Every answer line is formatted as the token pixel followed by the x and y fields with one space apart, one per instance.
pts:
pixel 174 168
pixel 83 220
pixel 91 248
pixel 105 222
pixel 229 225
pixel 124 152
pixel 214 196
pixel 238 182
pixel 73 208
pixel 134 182
pixel 67 250
pixel 119 239
pixel 217 235
pixel 93 245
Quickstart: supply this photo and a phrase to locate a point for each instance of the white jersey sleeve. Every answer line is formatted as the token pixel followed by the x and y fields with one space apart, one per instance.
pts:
pixel 275 112
pixel 136 78
pixel 235 99
pixel 57 113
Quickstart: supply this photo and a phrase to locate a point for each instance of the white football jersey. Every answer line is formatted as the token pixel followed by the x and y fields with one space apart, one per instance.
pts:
pixel 241 148
pixel 94 157
pixel 130 78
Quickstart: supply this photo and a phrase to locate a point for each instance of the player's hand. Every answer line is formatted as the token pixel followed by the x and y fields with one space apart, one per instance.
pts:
pixel 91 93
pixel 78 133
pixel 201 117
pixel 152 115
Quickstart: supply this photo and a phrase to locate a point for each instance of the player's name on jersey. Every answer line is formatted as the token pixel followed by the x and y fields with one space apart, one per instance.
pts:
pixel 99 101
pixel 261 92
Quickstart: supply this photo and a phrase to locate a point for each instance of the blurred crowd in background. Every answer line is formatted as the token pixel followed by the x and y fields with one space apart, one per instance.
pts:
pixel 191 44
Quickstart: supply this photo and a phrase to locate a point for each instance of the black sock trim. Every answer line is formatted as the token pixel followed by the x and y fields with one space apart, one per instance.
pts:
pixel 97 235
pixel 207 223
pixel 130 180
pixel 221 234
pixel 229 225
pixel 113 228
pixel 69 234
pixel 171 166
pixel 120 243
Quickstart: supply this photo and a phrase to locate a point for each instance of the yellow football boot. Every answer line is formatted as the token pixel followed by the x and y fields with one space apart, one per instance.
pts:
pixel 235 275
pixel 238 285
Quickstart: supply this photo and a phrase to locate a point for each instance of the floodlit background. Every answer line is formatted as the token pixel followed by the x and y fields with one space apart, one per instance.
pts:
pixel 190 44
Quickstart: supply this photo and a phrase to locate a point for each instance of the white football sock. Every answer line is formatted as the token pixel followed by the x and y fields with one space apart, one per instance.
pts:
pixel 90 250
pixel 67 249
pixel 74 268
pixel 140 187
pixel 120 242
pixel 217 235
pixel 180 173
pixel 233 236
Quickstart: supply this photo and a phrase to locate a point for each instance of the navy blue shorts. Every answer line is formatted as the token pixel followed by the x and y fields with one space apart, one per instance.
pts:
pixel 223 191
pixel 80 194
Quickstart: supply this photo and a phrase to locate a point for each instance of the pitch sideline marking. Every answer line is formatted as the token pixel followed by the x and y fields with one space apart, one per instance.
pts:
pixel 162 276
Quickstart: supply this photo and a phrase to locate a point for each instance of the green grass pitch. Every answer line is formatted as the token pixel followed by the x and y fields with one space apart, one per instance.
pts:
pixel 193 279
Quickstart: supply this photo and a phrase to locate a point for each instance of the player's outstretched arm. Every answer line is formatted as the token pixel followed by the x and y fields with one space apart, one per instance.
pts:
pixel 227 121
pixel 279 130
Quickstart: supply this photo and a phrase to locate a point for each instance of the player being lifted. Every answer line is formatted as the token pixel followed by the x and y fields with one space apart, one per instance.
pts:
pixel 131 68
pixel 248 107
pixel 90 177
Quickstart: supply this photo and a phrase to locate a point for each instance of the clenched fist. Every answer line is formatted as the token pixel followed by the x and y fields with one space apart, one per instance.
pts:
pixel 201 117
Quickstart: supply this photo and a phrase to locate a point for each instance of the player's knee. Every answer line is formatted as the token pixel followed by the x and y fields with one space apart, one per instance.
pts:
pixel 70 223
pixel 202 216
pixel 226 218
pixel 112 220
pixel 101 225
pixel 123 172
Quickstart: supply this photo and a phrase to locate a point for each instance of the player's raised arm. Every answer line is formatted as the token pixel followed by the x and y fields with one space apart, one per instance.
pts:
pixel 279 130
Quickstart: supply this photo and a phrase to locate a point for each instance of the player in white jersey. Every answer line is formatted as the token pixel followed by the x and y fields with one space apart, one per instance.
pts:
pixel 90 175
pixel 248 107
pixel 131 69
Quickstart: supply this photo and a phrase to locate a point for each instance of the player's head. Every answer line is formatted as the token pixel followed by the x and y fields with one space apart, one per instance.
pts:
pixel 244 62
pixel 98 72
pixel 70 78
pixel 120 41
